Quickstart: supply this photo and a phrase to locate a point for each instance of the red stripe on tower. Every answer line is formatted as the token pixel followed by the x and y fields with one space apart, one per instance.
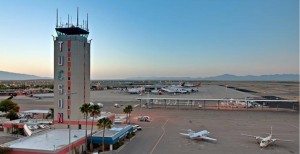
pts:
pixel 69 83
pixel 69 43
pixel 84 72
pixel 69 102
pixel 69 54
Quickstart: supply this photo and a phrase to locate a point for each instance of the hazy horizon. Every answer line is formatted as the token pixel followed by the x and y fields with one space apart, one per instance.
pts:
pixel 232 77
pixel 158 38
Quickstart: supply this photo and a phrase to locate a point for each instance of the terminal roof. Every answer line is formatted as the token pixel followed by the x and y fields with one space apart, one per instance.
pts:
pixel 50 141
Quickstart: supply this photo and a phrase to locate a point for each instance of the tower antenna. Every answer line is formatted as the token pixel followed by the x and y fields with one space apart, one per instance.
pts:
pixel 77 16
pixel 68 21
pixel 87 22
pixel 57 17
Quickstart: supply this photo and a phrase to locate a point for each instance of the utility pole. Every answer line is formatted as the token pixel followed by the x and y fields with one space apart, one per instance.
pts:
pixel 69 126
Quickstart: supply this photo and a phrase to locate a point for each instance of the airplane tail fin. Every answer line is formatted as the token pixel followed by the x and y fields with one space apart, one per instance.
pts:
pixel 190 131
pixel 271 131
pixel 198 84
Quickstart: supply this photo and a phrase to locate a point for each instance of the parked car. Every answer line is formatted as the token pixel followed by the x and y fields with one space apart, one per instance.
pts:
pixel 137 127
pixel 144 118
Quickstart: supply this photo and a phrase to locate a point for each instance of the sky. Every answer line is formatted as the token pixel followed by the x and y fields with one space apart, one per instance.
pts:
pixel 161 38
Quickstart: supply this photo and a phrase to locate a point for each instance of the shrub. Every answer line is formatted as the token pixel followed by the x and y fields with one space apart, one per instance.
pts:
pixel 7 105
pixel 5 150
pixel 12 115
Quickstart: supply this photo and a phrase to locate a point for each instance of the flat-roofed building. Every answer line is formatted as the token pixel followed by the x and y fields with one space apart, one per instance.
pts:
pixel 50 142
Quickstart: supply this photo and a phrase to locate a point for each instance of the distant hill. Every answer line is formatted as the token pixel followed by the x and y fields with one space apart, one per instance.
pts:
pixel 275 77
pixel 17 76
pixel 229 77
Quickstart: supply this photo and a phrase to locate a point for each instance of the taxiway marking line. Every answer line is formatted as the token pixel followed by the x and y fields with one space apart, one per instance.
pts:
pixel 163 128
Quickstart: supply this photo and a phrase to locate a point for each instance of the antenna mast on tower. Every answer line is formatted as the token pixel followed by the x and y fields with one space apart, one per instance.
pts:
pixel 87 22
pixel 56 17
pixel 77 16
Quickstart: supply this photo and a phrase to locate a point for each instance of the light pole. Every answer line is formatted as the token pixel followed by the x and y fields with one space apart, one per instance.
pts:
pixel 69 108
pixel 226 90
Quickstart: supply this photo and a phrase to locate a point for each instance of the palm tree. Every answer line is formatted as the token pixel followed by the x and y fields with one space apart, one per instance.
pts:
pixel 94 109
pixel 125 110
pixel 128 110
pixel 104 123
pixel 84 109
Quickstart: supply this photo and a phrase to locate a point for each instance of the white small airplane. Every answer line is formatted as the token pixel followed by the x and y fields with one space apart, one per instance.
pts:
pixel 265 141
pixel 156 92
pixel 136 90
pixel 198 135
pixel 184 84
pixel 40 96
pixel 174 89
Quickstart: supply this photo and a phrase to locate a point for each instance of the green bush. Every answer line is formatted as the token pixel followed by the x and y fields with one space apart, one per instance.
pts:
pixel 12 115
pixel 5 150
pixel 7 105
pixel 116 146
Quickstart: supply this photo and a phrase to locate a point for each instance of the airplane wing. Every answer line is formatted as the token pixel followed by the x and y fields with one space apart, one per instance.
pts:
pixel 273 140
pixel 208 138
pixel 256 137
pixel 184 134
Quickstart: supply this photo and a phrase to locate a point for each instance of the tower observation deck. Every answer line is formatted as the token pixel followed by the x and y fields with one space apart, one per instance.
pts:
pixel 69 28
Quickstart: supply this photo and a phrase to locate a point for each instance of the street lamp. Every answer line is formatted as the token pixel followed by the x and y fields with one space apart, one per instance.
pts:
pixel 69 94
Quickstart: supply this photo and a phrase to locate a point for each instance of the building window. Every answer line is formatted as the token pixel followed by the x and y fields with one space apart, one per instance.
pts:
pixel 60 103
pixel 61 60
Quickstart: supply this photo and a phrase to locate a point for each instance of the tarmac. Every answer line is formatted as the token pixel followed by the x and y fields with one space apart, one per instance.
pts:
pixel 161 135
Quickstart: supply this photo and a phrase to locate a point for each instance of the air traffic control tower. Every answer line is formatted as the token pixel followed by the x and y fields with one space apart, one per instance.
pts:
pixel 71 72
